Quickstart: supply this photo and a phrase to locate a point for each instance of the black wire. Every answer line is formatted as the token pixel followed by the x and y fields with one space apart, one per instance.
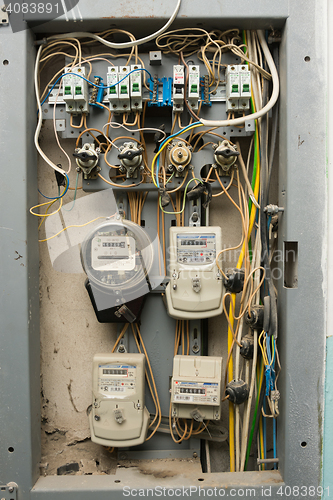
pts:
pixel 263 220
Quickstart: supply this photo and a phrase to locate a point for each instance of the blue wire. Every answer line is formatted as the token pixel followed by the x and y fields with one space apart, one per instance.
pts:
pixel 166 139
pixel 274 441
pixel 93 84
pixel 63 194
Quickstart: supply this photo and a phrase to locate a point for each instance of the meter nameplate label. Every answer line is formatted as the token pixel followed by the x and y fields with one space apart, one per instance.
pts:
pixel 196 249
pixel 116 380
pixel 113 253
pixel 204 393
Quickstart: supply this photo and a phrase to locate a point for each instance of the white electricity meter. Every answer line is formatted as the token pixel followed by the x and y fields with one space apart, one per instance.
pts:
pixel 195 289
pixel 196 387
pixel 118 416
pixel 117 257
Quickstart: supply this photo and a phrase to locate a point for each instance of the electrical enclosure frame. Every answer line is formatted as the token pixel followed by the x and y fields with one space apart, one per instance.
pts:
pixel 302 193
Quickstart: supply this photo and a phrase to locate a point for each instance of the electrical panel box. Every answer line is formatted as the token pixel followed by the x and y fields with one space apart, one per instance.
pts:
pixel 195 290
pixel 196 387
pixel 118 416
pixel 75 91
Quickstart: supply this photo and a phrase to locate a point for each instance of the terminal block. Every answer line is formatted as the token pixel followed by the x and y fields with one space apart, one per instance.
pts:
pixel 194 87
pixel 196 387
pixel 75 91
pixel 178 88
pixel 205 95
pixel 136 88
pixel 157 97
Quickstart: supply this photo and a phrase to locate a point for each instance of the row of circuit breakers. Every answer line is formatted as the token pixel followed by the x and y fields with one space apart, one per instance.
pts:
pixel 124 89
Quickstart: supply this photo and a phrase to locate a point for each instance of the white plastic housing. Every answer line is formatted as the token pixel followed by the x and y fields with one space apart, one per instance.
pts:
pixel 193 91
pixel 113 92
pixel 75 91
pixel 136 88
pixel 178 88
pixel 118 416
pixel 195 289
pixel 196 387
pixel 124 89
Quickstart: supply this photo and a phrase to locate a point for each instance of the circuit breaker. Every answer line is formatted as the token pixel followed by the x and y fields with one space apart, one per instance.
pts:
pixel 196 387
pixel 195 289
pixel 75 91
pixel 118 416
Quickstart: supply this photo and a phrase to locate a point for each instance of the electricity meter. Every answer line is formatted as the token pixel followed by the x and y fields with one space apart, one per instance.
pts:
pixel 196 387
pixel 117 257
pixel 195 289
pixel 118 416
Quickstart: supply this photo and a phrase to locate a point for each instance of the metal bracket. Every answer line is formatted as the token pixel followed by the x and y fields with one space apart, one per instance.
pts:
pixel 8 491
pixel 195 212
pixel 4 21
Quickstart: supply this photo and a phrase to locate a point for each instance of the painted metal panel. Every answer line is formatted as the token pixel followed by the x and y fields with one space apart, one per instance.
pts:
pixel 302 310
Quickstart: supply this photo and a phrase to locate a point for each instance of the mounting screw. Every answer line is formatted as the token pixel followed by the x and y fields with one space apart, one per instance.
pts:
pixel 11 488
pixel 195 455
pixel 121 348
pixel 3 8
pixel 97 418
pixel 78 169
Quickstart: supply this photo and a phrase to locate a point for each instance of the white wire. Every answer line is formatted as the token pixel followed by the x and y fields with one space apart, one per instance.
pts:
pixel 55 130
pixel 120 125
pixel 269 105
pixel 124 45
pixel 40 117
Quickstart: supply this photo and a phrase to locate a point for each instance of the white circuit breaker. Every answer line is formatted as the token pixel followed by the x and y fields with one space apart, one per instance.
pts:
pixel 113 92
pixel 178 88
pixel 196 387
pixel 193 90
pixel 195 290
pixel 238 88
pixel 119 94
pixel 75 91
pixel 119 416
pixel 136 88
pixel 124 89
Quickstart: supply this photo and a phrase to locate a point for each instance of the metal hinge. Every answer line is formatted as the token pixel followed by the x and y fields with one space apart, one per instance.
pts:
pixel 8 491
